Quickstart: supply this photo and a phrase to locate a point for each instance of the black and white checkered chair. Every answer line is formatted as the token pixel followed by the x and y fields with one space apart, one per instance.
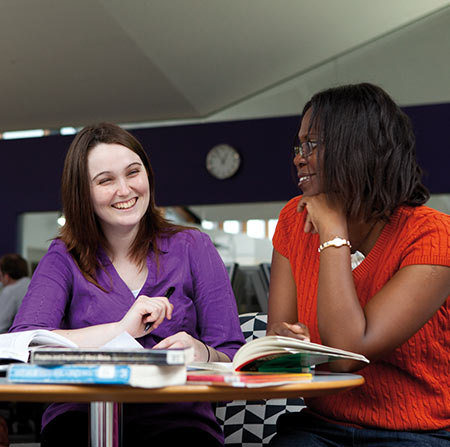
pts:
pixel 253 423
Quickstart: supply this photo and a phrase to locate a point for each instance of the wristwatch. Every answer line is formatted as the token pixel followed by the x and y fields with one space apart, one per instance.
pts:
pixel 336 242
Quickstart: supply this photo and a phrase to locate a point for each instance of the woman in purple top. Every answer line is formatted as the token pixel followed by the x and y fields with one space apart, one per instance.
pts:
pixel 108 271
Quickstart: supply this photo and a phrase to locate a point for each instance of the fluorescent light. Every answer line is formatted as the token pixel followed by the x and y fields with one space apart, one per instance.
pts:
pixel 67 131
pixel 33 133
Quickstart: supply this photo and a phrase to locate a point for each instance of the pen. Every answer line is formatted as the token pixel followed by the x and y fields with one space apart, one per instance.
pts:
pixel 169 292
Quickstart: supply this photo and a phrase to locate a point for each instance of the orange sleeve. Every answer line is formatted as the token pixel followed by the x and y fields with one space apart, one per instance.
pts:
pixel 430 241
pixel 286 225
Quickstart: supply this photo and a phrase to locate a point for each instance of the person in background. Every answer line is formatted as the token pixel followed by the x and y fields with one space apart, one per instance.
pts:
pixel 359 263
pixel 108 272
pixel 15 280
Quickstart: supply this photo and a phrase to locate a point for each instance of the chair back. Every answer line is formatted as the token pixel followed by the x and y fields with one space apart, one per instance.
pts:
pixel 252 423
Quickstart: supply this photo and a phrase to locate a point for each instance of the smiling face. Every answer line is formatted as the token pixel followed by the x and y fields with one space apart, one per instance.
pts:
pixel 307 167
pixel 120 191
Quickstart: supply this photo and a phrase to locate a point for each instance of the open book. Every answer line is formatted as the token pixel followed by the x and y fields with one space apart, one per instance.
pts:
pixel 276 354
pixel 15 347
pixel 54 359
pixel 267 361
pixel 45 347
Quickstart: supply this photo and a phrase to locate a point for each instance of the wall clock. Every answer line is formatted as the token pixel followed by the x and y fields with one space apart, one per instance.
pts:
pixel 223 161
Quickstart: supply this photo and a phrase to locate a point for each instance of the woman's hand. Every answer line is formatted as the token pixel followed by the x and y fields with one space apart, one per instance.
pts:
pixel 146 310
pixel 323 218
pixel 295 330
pixel 184 340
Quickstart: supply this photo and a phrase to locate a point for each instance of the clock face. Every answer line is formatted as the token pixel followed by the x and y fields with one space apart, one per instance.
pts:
pixel 223 161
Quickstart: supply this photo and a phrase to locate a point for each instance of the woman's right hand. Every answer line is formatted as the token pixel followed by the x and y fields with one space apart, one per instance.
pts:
pixel 146 310
pixel 295 330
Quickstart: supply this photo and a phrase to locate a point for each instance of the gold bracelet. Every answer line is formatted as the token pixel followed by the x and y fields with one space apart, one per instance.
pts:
pixel 336 242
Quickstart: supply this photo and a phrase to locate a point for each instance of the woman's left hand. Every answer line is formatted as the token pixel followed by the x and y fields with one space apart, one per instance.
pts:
pixel 184 340
pixel 322 217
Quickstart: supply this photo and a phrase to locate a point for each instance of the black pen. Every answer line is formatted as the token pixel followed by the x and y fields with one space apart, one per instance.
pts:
pixel 169 292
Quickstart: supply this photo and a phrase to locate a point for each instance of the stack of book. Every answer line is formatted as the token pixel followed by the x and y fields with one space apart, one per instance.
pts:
pixel 268 361
pixel 42 356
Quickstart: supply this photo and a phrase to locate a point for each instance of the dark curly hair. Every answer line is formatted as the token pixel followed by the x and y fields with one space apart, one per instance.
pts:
pixel 369 153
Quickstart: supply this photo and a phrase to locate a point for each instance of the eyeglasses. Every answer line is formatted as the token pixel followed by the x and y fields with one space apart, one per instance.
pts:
pixel 305 149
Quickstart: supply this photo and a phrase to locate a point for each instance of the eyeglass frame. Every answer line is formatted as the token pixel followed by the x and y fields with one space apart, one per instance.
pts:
pixel 299 148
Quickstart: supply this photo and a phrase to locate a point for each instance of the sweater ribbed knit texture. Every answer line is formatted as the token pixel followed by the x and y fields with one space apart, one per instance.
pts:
pixel 409 389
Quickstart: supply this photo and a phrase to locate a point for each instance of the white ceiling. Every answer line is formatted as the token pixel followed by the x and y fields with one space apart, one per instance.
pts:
pixel 72 62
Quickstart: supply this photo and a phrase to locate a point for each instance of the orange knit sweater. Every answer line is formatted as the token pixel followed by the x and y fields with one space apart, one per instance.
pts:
pixel 410 388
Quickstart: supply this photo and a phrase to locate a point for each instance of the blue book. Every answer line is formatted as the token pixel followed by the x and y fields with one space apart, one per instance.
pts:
pixel 144 376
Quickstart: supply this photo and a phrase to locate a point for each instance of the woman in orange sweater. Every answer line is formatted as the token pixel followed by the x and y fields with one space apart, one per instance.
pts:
pixel 359 263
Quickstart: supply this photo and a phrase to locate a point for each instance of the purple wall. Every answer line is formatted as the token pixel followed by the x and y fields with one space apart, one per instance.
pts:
pixel 431 124
pixel 31 168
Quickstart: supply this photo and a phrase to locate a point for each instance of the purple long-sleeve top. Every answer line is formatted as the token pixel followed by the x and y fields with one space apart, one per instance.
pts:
pixel 59 297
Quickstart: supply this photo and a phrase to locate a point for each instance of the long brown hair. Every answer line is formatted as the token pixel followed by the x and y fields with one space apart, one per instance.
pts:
pixel 82 232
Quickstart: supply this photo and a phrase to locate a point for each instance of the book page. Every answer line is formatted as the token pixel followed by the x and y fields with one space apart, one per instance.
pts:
pixel 123 340
pixel 15 346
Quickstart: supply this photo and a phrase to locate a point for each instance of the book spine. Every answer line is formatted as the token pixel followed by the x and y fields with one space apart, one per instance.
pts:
pixel 81 374
pixel 174 357
pixel 42 359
